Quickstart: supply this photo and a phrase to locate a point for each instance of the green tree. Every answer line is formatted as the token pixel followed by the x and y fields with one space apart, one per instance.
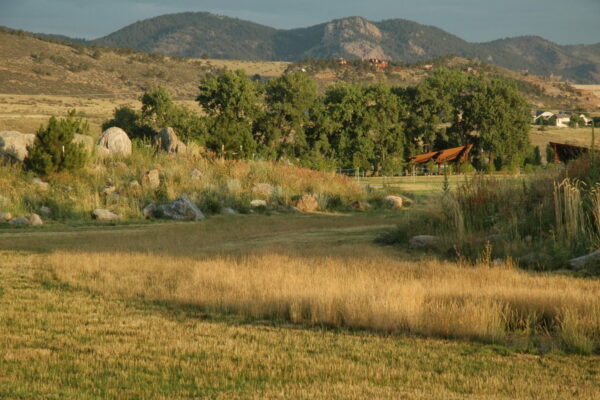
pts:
pixel 232 104
pixel 281 130
pixel 53 149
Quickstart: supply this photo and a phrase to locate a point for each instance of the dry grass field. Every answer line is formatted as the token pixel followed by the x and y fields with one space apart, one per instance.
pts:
pixel 278 307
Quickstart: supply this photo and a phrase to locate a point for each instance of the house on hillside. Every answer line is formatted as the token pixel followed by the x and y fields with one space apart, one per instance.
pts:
pixel 562 120
pixel 541 115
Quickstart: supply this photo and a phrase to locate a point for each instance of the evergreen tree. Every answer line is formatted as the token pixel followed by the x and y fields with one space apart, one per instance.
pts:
pixel 53 149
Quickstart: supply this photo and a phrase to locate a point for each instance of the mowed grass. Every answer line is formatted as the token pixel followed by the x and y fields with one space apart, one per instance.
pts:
pixel 205 310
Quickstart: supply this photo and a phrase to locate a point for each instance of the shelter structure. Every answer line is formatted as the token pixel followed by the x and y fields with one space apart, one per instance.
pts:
pixel 446 156
pixel 566 152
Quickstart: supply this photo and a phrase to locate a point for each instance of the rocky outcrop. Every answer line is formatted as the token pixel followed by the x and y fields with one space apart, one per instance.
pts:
pixel 13 145
pixel 116 141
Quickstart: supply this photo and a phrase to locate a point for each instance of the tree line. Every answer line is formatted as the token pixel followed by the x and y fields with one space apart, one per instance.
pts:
pixel 375 127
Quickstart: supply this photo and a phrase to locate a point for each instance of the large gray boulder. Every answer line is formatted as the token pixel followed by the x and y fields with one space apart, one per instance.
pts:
pixel 591 260
pixel 13 145
pixel 181 209
pixel 116 141
pixel 166 140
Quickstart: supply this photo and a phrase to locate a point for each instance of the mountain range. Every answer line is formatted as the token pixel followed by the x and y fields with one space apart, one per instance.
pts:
pixel 201 34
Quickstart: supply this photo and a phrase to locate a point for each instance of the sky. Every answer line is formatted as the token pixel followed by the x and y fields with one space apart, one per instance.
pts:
pixel 561 21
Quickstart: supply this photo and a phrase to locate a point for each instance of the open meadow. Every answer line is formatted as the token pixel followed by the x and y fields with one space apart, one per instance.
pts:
pixel 280 306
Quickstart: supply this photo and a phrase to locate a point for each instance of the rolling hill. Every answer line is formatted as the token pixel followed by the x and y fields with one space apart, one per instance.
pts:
pixel 207 35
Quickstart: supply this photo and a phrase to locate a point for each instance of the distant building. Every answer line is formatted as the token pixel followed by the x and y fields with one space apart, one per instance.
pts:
pixel 541 115
pixel 563 120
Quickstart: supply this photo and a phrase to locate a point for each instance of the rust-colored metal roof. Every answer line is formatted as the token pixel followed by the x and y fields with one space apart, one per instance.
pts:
pixel 443 156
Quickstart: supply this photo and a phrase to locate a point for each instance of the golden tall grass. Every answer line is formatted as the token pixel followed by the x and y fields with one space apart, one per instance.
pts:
pixel 356 286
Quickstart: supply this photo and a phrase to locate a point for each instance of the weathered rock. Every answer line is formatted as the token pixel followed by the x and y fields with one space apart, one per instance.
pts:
pixel 151 179
pixel 228 211
pixel 166 140
pixel 308 203
pixel 256 203
pixel 394 202
pixel 181 209
pixel 134 185
pixel 150 211
pixel 40 184
pixel 87 141
pixel 35 220
pixel 101 214
pixel 423 241
pixel 19 221
pixel 360 206
pixel 591 260
pixel 264 190
pixel 181 148
pixel 294 209
pixel 13 145
pixel 116 141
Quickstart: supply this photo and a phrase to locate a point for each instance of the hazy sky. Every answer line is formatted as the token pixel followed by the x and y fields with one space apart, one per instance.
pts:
pixel 562 21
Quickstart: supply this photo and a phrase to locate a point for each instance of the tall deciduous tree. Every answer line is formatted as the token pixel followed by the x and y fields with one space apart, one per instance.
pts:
pixel 232 104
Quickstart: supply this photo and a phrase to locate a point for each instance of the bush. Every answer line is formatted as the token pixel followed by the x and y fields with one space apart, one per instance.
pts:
pixel 53 150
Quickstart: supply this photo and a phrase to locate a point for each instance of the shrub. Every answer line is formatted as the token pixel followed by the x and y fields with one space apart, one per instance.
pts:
pixel 54 150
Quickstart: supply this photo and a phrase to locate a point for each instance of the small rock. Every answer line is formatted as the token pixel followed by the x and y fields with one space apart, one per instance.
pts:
pixel 423 241
pixel 19 221
pixel 228 211
pixel 307 203
pixel 6 217
pixel 40 184
pixel 360 206
pixel 256 203
pixel 591 260
pixel 151 179
pixel 35 220
pixel 104 215
pixel 106 190
pixel 394 202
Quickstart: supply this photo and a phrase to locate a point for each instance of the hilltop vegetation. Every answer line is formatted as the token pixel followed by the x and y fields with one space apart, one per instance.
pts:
pixel 198 34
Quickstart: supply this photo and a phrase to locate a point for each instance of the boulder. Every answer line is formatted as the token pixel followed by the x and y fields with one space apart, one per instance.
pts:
pixel 116 141
pixel 151 179
pixel 423 241
pixel 166 140
pixel 394 202
pixel 40 184
pixel 256 203
pixel 181 209
pixel 13 145
pixel 360 206
pixel 308 203
pixel 35 220
pixel 104 215
pixel 87 141
pixel 19 221
pixel 264 190
pixel 591 260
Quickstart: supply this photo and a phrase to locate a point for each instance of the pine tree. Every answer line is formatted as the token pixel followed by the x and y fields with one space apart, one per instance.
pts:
pixel 53 149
